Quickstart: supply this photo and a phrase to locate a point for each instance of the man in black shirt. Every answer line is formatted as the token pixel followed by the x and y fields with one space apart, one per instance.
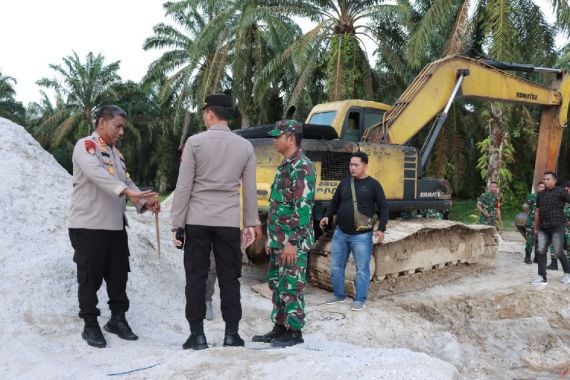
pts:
pixel 549 224
pixel 370 199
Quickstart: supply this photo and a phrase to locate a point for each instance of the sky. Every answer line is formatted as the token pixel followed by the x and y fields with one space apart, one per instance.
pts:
pixel 35 34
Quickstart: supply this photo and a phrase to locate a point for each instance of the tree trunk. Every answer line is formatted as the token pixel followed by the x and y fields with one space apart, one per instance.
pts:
pixel 245 121
pixel 185 126
pixel 497 141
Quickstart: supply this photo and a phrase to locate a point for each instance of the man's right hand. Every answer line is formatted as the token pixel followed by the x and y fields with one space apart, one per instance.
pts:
pixel 324 222
pixel 136 196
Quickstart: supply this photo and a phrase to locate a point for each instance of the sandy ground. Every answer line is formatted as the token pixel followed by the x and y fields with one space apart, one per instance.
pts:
pixel 476 324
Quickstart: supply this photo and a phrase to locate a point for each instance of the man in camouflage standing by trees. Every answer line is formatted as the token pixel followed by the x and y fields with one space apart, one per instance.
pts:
pixel 290 235
pixel 530 238
pixel 489 206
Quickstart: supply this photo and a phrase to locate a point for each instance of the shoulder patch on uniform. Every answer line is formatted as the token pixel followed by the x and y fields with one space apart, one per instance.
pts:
pixel 90 146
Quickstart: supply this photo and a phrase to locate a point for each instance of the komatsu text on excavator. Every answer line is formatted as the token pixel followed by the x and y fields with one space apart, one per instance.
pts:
pixel 333 131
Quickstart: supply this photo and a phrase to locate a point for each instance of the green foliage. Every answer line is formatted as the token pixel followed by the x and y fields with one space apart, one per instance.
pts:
pixel 345 71
pixel 81 88
pixel 465 211
pixel 254 50
pixel 10 108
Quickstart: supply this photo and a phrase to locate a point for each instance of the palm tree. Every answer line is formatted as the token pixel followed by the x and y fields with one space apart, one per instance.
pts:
pixel 499 29
pixel 243 34
pixel 185 78
pixel 82 88
pixel 10 108
pixel 334 44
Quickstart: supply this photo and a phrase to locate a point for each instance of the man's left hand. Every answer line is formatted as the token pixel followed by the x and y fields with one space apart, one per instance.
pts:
pixel 289 255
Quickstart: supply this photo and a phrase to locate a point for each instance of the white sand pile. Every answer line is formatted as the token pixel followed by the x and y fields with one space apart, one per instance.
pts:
pixel 40 330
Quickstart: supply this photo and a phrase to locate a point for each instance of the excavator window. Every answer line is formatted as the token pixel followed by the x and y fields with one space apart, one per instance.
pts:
pixel 372 117
pixel 323 118
pixel 352 126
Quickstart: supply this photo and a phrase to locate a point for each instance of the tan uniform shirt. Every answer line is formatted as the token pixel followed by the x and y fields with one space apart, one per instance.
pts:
pixel 99 177
pixel 214 164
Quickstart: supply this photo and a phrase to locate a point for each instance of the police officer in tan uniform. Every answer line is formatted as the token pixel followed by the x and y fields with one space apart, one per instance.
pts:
pixel 206 210
pixel 101 185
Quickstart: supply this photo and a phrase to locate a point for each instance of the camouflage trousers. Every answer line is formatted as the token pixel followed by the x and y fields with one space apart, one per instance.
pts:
pixel 530 242
pixel 288 285
pixel 490 221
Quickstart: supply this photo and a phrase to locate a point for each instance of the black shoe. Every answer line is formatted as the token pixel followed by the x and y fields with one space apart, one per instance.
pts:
pixel 196 342
pixel 233 340
pixel 527 261
pixel 92 334
pixel 277 331
pixel 288 338
pixel 118 325
pixel 553 265
pixel 535 260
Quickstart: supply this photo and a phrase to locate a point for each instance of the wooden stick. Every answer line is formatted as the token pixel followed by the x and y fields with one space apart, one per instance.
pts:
pixel 156 221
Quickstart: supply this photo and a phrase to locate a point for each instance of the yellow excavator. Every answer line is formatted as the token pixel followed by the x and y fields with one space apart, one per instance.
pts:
pixel 333 131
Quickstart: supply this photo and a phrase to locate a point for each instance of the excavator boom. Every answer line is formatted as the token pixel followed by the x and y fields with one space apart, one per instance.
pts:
pixel 433 88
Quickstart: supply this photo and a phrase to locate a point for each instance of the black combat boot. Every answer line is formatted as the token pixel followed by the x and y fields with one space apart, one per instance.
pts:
pixel 196 342
pixel 92 333
pixel 288 338
pixel 266 338
pixel 118 325
pixel 232 338
pixel 553 263
pixel 527 259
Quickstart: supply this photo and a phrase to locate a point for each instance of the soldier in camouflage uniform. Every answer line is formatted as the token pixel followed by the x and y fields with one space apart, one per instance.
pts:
pixel 489 206
pixel 290 235
pixel 530 238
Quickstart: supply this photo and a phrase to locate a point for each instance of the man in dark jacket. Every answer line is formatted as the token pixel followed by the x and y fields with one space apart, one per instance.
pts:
pixel 370 198
pixel 549 222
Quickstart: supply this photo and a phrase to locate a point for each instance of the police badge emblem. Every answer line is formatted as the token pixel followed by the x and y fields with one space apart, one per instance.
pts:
pixel 90 146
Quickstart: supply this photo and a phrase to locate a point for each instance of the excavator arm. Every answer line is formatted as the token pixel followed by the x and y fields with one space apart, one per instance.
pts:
pixel 432 92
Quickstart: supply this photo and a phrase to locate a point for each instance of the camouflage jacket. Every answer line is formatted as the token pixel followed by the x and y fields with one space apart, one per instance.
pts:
pixel 290 217
pixel 531 202
pixel 489 202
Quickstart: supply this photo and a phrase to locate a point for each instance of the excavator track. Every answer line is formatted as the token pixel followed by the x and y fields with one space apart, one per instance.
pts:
pixel 414 255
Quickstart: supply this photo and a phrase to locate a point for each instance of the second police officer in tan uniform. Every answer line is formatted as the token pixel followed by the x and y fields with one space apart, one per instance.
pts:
pixel 97 224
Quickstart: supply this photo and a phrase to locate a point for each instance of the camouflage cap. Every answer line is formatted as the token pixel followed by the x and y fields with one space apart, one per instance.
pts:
pixel 286 126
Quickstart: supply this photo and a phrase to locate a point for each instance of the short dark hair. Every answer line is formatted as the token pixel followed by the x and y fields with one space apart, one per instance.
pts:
pixel 540 183
pixel 360 154
pixel 108 112
pixel 567 184
pixel 552 174
pixel 222 113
